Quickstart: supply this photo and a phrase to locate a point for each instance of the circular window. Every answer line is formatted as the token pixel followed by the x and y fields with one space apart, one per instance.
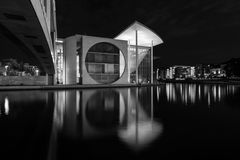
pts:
pixel 105 62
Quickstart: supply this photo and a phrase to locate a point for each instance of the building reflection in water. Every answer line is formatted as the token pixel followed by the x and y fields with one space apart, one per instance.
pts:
pixel 191 93
pixel 126 113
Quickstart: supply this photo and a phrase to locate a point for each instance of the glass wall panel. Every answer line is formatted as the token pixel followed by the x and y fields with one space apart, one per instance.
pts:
pixel 91 57
pixel 98 58
pixel 59 62
pixel 144 64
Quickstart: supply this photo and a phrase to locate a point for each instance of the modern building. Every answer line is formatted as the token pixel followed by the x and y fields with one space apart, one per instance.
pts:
pixel 96 60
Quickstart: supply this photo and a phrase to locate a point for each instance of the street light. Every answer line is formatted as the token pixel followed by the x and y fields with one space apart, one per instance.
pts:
pixel 6 68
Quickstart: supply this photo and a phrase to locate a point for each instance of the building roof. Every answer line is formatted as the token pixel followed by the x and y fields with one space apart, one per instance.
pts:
pixel 145 35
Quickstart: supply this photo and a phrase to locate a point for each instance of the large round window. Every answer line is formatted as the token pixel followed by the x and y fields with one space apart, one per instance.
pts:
pixel 105 62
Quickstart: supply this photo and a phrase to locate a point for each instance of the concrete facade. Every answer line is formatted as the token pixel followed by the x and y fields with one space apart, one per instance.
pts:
pixel 86 42
pixel 69 60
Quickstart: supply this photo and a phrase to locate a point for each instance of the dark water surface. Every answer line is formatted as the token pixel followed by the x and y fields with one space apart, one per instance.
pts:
pixel 172 121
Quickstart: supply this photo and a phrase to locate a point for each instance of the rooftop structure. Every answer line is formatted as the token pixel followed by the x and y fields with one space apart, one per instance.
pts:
pixel 145 36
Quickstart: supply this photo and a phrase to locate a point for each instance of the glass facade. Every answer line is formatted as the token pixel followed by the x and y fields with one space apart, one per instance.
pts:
pixel 104 62
pixel 59 62
pixel 144 64
pixel 78 62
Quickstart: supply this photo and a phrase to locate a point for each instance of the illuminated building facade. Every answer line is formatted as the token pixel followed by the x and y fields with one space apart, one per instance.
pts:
pixel 217 73
pixel 59 61
pixel 94 60
pixel 98 60
pixel 144 68
pixel 170 73
pixel 180 72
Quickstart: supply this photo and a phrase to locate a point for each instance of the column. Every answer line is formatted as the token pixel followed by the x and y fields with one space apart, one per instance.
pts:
pixel 151 62
pixel 136 57
pixel 49 79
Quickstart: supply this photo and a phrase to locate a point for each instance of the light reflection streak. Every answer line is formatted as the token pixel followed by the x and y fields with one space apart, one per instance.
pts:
pixel 219 93
pixel 6 106
pixel 158 93
pixel 190 93
pixel 209 100
pixel 199 92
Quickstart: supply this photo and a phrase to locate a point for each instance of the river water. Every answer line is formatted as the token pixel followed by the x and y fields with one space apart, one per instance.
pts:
pixel 171 121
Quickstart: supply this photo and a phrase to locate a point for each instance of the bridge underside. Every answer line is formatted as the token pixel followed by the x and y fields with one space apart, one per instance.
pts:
pixel 23 27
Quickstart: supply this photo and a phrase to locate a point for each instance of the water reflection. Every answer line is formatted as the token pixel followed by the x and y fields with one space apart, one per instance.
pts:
pixel 4 109
pixel 193 93
pixel 6 106
pixel 25 120
pixel 90 114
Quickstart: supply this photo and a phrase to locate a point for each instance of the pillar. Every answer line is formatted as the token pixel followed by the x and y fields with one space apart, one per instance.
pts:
pixel 151 62
pixel 136 57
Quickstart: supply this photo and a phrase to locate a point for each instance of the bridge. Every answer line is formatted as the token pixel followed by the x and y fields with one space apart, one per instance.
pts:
pixel 29 28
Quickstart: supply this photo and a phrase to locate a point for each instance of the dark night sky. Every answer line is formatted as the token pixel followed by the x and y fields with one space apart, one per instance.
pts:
pixel 193 31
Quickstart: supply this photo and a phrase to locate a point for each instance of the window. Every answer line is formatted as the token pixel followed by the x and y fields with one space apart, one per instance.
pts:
pixel 102 62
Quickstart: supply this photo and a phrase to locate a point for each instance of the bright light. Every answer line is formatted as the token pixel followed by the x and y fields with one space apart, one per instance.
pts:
pixel 146 37
pixel 6 106
pixel 59 41
pixel 37 72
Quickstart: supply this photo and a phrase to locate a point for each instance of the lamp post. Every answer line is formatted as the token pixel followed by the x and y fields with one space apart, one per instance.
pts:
pixel 152 62
pixel 6 68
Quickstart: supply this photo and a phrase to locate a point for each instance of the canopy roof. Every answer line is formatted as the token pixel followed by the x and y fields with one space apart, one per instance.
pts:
pixel 146 37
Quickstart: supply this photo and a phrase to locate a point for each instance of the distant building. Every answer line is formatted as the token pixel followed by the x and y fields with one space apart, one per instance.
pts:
pixel 199 71
pixel 232 68
pixel 217 73
pixel 180 72
pixel 207 71
pixel 161 74
pixel 170 73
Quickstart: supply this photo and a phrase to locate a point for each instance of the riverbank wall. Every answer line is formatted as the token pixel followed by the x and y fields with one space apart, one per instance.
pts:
pixel 66 87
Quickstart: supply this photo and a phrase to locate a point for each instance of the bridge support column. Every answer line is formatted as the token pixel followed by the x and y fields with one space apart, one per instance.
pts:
pixel 136 56
pixel 49 79
pixel 151 62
